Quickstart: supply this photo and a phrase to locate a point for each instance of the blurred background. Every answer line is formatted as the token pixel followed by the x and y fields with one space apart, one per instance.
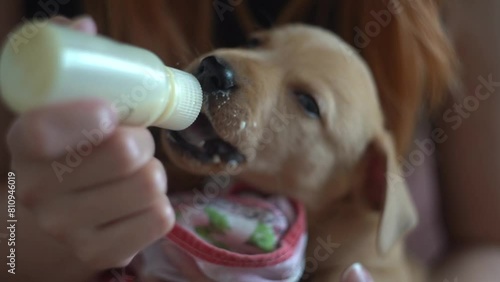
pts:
pixel 436 63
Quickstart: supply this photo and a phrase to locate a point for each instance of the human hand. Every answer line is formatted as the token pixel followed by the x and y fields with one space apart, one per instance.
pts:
pixel 90 183
pixel 110 190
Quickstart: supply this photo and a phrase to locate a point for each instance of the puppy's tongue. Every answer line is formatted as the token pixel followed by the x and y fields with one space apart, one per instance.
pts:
pixel 199 132
pixel 202 142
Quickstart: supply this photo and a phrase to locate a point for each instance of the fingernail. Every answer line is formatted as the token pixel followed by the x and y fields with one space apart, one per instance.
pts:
pixel 85 23
pixel 356 273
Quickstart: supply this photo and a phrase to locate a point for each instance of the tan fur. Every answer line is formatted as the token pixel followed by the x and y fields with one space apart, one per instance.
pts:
pixel 411 58
pixel 322 162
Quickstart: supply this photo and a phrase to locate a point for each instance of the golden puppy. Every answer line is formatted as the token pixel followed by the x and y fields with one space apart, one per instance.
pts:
pixel 297 113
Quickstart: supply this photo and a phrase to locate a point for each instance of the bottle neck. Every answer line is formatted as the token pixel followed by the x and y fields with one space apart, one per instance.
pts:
pixel 184 100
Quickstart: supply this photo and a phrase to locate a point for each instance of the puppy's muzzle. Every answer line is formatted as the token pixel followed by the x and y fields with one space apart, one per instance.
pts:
pixel 215 75
pixel 202 141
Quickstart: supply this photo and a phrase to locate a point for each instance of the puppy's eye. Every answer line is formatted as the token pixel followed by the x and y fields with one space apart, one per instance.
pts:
pixel 308 103
pixel 253 42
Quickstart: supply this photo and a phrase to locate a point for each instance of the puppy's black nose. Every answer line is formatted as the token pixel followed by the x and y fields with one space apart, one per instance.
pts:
pixel 215 74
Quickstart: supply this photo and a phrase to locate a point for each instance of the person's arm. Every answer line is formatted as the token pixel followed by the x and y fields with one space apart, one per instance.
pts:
pixel 470 158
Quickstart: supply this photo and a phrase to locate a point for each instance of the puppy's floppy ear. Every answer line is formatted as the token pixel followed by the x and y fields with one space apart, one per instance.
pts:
pixel 385 190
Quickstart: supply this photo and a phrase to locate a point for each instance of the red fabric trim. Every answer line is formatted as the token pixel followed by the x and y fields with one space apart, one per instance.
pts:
pixel 212 254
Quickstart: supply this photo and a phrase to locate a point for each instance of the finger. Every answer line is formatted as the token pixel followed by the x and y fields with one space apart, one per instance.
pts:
pixel 45 133
pixel 138 231
pixel 356 273
pixel 83 23
pixel 121 156
pixel 104 204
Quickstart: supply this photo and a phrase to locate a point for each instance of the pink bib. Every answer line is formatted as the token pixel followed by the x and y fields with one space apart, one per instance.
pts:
pixel 239 236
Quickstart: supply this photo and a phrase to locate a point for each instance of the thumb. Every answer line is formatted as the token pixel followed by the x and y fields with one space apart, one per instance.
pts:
pixel 356 273
pixel 84 23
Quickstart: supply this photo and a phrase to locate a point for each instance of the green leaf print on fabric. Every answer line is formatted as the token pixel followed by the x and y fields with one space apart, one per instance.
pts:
pixel 264 237
pixel 206 232
pixel 217 220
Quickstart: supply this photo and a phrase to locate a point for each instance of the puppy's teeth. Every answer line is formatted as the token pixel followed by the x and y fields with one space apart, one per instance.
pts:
pixel 243 125
pixel 216 159
pixel 201 144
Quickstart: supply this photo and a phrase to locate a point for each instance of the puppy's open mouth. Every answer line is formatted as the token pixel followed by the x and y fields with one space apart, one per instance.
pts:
pixel 201 142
